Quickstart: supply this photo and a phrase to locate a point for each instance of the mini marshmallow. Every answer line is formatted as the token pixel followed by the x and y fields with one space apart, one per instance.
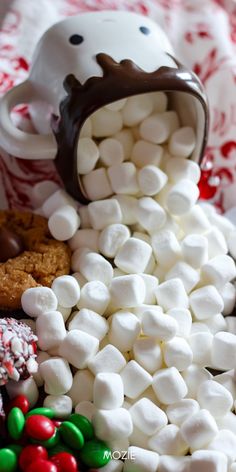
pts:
pixel 85 238
pixel 42 191
pixel 106 122
pixel 96 184
pixel 145 154
pixel 57 200
pixel 222 223
pixel 147 352
pixel 169 386
pixel 180 411
pixel 126 139
pixel 65 312
pixel 108 392
pixel 127 291
pixel 128 206
pixel 63 223
pixel 78 348
pixel 119 446
pixel 174 463
pixel 82 387
pixel 93 266
pixel 112 238
pixel 215 398
pixel 124 330
pixel 135 379
pixel 195 221
pixel 60 404
pixel 178 168
pixel 67 290
pixel 216 242
pixel 181 197
pixel 172 294
pixel 166 248
pixel 227 380
pixel 198 327
pixel 227 422
pixel 87 155
pixel 219 270
pixel 189 276
pixel 206 302
pixel 228 293
pixel 57 376
pixel 41 357
pixel 140 309
pixel 159 101
pixel 158 127
pixel 224 442
pixel 161 327
pixel 201 345
pixel 224 350
pixel 94 296
pixel 148 417
pixel 136 109
pixel 26 387
pixel 177 353
pixel 123 178
pixel 104 213
pixel 141 460
pixel 151 180
pixel 113 424
pixel 38 300
pixel 109 359
pixel 182 142
pixel 90 322
pixel 85 408
pixel 117 105
pixel 150 215
pixel 133 256
pixel 199 429
pixel 86 130
pixel 184 320
pixel 151 284
pixel 208 461
pixel 194 376
pixel 168 441
pixel 195 250
pixel 111 152
pixel 50 329
pixel 138 438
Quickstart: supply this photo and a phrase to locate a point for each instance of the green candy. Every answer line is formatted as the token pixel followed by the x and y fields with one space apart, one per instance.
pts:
pixel 60 447
pixel 51 442
pixel 16 448
pixel 8 460
pixel 83 424
pixel 15 423
pixel 95 453
pixel 71 435
pixel 48 412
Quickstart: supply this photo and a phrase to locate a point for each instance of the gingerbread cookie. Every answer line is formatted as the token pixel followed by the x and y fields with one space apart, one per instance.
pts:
pixel 29 256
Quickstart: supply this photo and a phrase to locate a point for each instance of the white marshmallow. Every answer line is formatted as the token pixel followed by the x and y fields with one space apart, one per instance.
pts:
pixel 125 137
pixel 151 180
pixel 177 353
pixel 208 461
pixel 78 348
pixel 169 386
pixel 86 130
pixel 127 291
pixel 159 101
pixel 222 223
pixel 206 302
pixel 228 293
pixel 151 284
pixel 104 213
pixel 181 197
pixel 195 221
pixel 63 223
pixel 168 441
pixel 93 266
pixel 82 387
pixel 182 142
pixel 231 242
pixel 224 350
pixel 138 438
pixel 189 276
pixel 67 290
pixel 158 325
pixel 227 380
pixel 219 270
pixel 112 424
pixel 42 191
pixel 135 379
pixel 172 294
pixel 111 152
pixel 199 429
pixel 94 296
pixel 124 330
pixel 148 417
pixel 50 329
pixel 140 309
pixel 108 391
pixel 180 411
pixel 90 322
pixel 147 352
pixel 86 408
pixel 38 300
pixel 60 404
pixel 117 105
pixel 216 242
pixel 136 109
pixel 85 238
pixel 174 463
pixel 112 238
pixel 57 200
pixel 141 460
pixel 193 377
pixel 150 215
pixel 178 168
pixel 123 178
pixel 106 122
pixel 65 312
pixel 57 376
pixel 145 153
pixel 227 422
pixel 41 357
pixel 195 250
pixel 109 359
pixel 158 127
pixel 198 327
pixel 119 446
pixel 166 248
pixel 224 442
pixel 128 206
pixel 215 398
pixel 184 320
pixel 133 256
pixel 216 323
pixel 87 155
pixel 26 387
pixel 96 184
pixel 201 345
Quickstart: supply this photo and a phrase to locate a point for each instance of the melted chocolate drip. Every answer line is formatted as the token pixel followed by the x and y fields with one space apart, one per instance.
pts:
pixel 11 244
pixel 119 80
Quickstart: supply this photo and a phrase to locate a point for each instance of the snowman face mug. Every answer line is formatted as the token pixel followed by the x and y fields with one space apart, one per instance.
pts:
pixel 84 63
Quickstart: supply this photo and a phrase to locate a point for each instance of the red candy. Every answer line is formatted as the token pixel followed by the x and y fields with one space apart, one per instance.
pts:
pixel 65 462
pixel 21 402
pixel 41 465
pixel 56 423
pixel 31 454
pixel 39 427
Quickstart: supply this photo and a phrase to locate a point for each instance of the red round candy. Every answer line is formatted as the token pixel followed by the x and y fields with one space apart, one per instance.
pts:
pixel 39 427
pixel 32 453
pixel 21 402
pixel 41 465
pixel 56 423
pixel 65 462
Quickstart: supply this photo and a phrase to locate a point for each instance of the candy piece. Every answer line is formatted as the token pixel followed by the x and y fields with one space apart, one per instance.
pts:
pixel 87 155
pixel 111 152
pixel 123 178
pixel 60 404
pixel 54 384
pixel 82 387
pixel 90 322
pixel 108 391
pixel 38 300
pixel 224 350
pixel 26 387
pixel 106 122
pixel 168 441
pixel 124 330
pixel 104 213
pixel 31 453
pixel 158 325
pixel 169 386
pixel 8 460
pixel 182 142
pixel 127 291
pixel 166 248
pixel 83 424
pixel 78 348
pixel 147 352
pixel 135 379
pixel 177 353
pixel 145 153
pixel 180 411
pixel 95 453
pixel 133 256
pixel 184 320
pixel 126 139
pixel 71 435
pixel 140 459
pixel 215 398
pixel 195 250
pixel 15 423
pixel 109 359
pixel 64 222
pixel 94 296
pixel 147 416
pixel 158 127
pixel 200 436
pixel 97 185
pixel 151 180
pixel 201 346
pixel 57 200
pixel 206 302
pixel 93 266
pixel 41 465
pixel 112 424
pixel 43 411
pixel 193 377
pixel 216 242
pixel 219 270
pixel 128 208
pixel 50 328
pixel 85 238
pixel 172 294
pixel 189 276
pixel 112 238
pixel 150 215
pixel 178 168
pixel 137 438
pixel 195 221
pixel 67 290
pixel 51 442
pixel 39 427
pixel 20 401
pixel 136 109
pixel 225 442
pixel 174 463
pixel 181 197
pixel 65 462
pixel 208 461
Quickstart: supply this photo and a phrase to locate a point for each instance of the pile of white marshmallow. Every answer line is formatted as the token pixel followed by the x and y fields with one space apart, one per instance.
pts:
pixel 127 338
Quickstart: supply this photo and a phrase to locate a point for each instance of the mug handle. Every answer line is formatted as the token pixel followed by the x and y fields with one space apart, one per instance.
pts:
pixel 17 142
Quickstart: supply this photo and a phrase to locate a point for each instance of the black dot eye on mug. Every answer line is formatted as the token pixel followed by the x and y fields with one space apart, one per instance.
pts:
pixel 76 39
pixel 144 30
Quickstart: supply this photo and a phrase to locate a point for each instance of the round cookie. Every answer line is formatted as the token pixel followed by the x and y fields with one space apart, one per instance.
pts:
pixel 40 257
